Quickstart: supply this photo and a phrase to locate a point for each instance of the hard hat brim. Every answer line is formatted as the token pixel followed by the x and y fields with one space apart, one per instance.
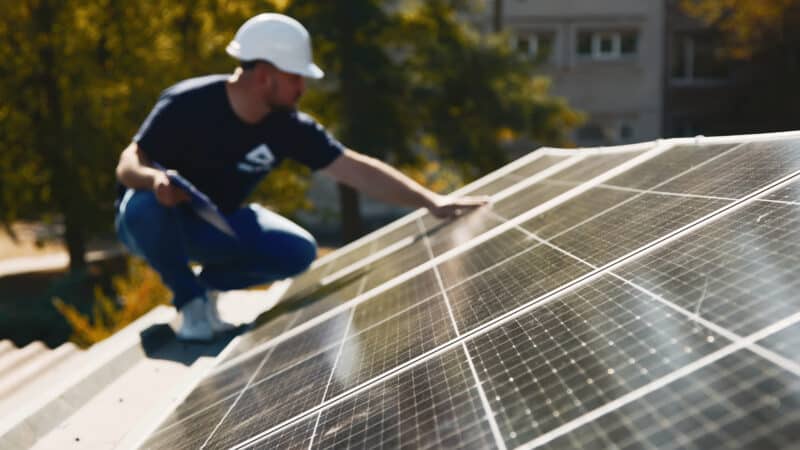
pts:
pixel 310 71
pixel 313 71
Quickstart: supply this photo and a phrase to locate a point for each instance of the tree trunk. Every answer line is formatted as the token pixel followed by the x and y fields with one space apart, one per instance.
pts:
pixel 498 16
pixel 352 226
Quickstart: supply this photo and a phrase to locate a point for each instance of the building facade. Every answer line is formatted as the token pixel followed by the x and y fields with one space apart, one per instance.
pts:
pixel 704 92
pixel 607 57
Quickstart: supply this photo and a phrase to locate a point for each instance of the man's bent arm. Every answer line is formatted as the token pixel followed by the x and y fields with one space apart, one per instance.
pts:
pixel 134 170
pixel 383 182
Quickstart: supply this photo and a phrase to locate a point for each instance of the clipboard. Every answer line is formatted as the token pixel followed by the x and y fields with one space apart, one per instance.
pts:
pixel 200 203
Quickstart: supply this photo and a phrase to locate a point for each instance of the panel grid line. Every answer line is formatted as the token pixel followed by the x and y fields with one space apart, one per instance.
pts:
pixel 766 332
pixel 615 187
pixel 338 355
pixel 419 213
pixel 511 190
pixel 238 397
pixel 212 371
pixel 490 416
pixel 580 281
pixel 694 316
pixel 657 192
pixel 655 385
pixel 474 242
pixel 728 334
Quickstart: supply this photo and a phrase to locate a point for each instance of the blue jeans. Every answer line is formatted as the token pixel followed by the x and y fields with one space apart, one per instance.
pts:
pixel 268 247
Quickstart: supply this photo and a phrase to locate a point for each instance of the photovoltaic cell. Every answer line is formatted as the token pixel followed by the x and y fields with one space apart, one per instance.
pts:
pixel 632 225
pixel 512 178
pixel 294 437
pixel 189 434
pixel 371 349
pixel 410 229
pixel 529 198
pixel 351 257
pixel 399 263
pixel 790 193
pixel 299 347
pixel 670 164
pixel 559 183
pixel 575 211
pixel 739 271
pixel 785 342
pixel 579 352
pixel 481 257
pixel 278 320
pixel 396 299
pixel 461 231
pixel 517 281
pixel 740 401
pixel 372 246
pixel 264 329
pixel 215 388
pixel 346 293
pixel 741 171
pixel 275 399
pixel 433 405
pixel 593 166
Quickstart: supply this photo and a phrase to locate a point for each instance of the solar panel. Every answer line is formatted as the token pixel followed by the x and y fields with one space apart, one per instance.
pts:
pixel 630 297
pixel 736 402
pixel 507 180
pixel 733 264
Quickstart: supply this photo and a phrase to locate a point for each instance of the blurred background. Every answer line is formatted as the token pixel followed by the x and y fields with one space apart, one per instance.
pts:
pixel 445 90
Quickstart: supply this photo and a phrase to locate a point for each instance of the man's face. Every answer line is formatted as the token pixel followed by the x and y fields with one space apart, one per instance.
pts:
pixel 283 89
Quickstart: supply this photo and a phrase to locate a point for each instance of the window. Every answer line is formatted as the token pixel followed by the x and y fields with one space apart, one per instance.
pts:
pixel 697 57
pixel 538 46
pixel 607 45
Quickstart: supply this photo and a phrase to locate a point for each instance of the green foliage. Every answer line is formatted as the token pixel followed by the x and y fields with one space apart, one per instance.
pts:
pixel 77 77
pixel 477 91
pixel 140 290
pixel 750 26
pixel 406 76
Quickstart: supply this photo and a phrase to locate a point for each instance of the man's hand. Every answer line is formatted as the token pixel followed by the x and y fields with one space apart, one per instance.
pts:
pixel 166 193
pixel 446 208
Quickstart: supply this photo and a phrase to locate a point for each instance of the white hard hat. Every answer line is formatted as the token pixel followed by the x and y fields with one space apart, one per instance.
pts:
pixel 278 39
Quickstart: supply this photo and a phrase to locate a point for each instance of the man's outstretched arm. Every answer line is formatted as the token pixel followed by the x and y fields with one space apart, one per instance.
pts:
pixel 383 182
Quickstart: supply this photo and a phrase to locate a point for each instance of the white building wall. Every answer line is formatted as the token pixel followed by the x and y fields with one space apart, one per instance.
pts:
pixel 622 95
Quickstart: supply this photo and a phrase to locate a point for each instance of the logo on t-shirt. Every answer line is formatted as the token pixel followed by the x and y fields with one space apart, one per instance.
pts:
pixel 259 159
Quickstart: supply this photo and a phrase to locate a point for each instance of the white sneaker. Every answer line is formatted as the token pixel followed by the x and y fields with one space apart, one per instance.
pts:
pixel 212 314
pixel 195 326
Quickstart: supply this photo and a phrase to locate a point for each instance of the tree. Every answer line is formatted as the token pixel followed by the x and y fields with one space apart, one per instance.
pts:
pixel 764 36
pixel 78 77
pixel 406 78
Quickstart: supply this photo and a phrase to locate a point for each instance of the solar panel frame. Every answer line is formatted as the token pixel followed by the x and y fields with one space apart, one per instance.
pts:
pixel 770 188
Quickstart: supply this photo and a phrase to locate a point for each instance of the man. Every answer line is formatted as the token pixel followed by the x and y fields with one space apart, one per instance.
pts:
pixel 224 133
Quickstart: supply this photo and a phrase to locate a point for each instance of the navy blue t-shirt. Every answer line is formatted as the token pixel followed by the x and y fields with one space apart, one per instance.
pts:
pixel 193 129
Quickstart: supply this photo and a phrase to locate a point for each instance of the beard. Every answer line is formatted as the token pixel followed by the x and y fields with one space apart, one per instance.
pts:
pixel 281 108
